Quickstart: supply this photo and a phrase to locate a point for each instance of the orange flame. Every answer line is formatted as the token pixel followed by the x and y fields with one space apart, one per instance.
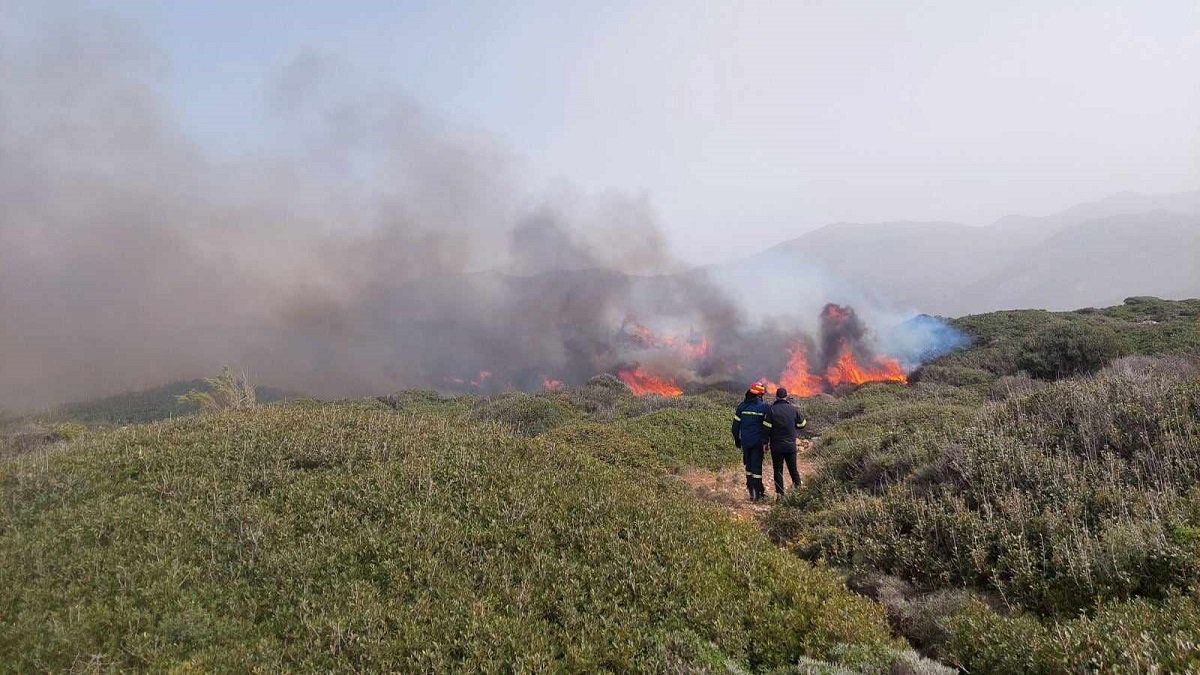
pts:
pixel 847 370
pixel 796 377
pixel 641 382
pixel 640 336
pixel 548 383
pixel 695 350
pixel 837 312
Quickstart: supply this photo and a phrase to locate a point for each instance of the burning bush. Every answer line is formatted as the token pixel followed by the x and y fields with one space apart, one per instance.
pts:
pixel 641 382
pixel 672 360
pixel 1055 498
pixel 842 356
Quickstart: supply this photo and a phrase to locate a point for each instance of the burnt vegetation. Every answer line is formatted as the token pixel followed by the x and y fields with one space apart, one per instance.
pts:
pixel 1025 504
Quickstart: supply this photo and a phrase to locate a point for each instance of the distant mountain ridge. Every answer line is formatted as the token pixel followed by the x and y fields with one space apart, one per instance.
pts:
pixel 1092 254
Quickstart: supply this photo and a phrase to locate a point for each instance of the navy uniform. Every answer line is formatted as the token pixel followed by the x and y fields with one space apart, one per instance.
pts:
pixel 750 435
pixel 783 422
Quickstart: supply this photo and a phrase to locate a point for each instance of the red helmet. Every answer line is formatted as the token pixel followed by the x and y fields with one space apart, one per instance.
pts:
pixel 758 389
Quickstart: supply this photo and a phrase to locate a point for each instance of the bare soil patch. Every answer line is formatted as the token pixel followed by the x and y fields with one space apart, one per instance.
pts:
pixel 727 487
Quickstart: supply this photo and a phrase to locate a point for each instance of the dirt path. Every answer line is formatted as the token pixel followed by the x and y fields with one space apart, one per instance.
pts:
pixel 727 487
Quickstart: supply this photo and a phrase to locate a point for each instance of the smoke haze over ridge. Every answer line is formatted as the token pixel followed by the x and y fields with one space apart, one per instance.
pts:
pixel 130 256
pixel 368 246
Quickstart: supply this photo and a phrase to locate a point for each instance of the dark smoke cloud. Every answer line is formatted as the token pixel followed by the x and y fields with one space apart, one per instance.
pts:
pixel 373 248
pixel 353 261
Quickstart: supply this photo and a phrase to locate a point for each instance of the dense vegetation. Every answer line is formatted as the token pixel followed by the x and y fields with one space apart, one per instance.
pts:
pixel 410 533
pixel 1027 524
pixel 1028 504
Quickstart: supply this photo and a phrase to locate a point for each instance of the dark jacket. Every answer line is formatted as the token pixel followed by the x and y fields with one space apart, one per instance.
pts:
pixel 783 420
pixel 747 428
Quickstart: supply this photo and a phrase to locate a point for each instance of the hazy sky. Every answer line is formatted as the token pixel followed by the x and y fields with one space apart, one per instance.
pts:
pixel 728 116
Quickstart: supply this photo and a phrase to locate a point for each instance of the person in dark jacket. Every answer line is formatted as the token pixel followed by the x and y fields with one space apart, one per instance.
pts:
pixel 750 435
pixel 783 421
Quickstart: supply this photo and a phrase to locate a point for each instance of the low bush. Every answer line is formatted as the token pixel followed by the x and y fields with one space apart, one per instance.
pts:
pixel 1069 349
pixel 920 617
pixel 649 403
pixel 599 398
pixel 879 448
pixel 426 401
pixel 1146 308
pixel 1142 326
pixel 1009 386
pixel 527 415
pixel 66 431
pixel 20 439
pixel 608 444
pixel 1137 636
pixel 352 537
pixel 228 390
pixel 1079 491
pixel 956 376
pixel 690 437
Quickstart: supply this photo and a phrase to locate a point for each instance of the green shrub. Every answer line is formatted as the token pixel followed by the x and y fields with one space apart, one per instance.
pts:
pixel 599 398
pixel 1145 327
pixel 690 437
pixel 610 444
pixel 228 390
pixel 956 376
pixel 353 538
pixel 1136 636
pixel 527 415
pixel 1072 493
pixel 649 403
pixel 882 447
pixel 66 431
pixel 427 401
pixel 1069 349
pixel 1009 386
pixel 1147 308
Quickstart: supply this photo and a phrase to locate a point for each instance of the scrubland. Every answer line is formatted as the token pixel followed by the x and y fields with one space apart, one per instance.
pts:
pixel 1028 504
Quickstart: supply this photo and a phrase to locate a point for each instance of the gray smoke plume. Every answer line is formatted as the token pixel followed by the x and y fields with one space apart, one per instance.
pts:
pixel 359 260
pixel 372 248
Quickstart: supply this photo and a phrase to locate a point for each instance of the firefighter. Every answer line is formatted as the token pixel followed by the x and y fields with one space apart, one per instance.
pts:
pixel 750 436
pixel 783 421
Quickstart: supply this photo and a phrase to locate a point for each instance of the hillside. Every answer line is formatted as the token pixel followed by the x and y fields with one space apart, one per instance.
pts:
pixel 1027 524
pixel 408 534
pixel 560 324
pixel 1079 258
pixel 1097 262
pixel 1031 229
pixel 148 405
pixel 1089 255
pixel 906 264
pixel 1027 504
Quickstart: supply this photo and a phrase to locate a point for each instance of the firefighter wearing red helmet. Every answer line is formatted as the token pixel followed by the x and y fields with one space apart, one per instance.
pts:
pixel 750 435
